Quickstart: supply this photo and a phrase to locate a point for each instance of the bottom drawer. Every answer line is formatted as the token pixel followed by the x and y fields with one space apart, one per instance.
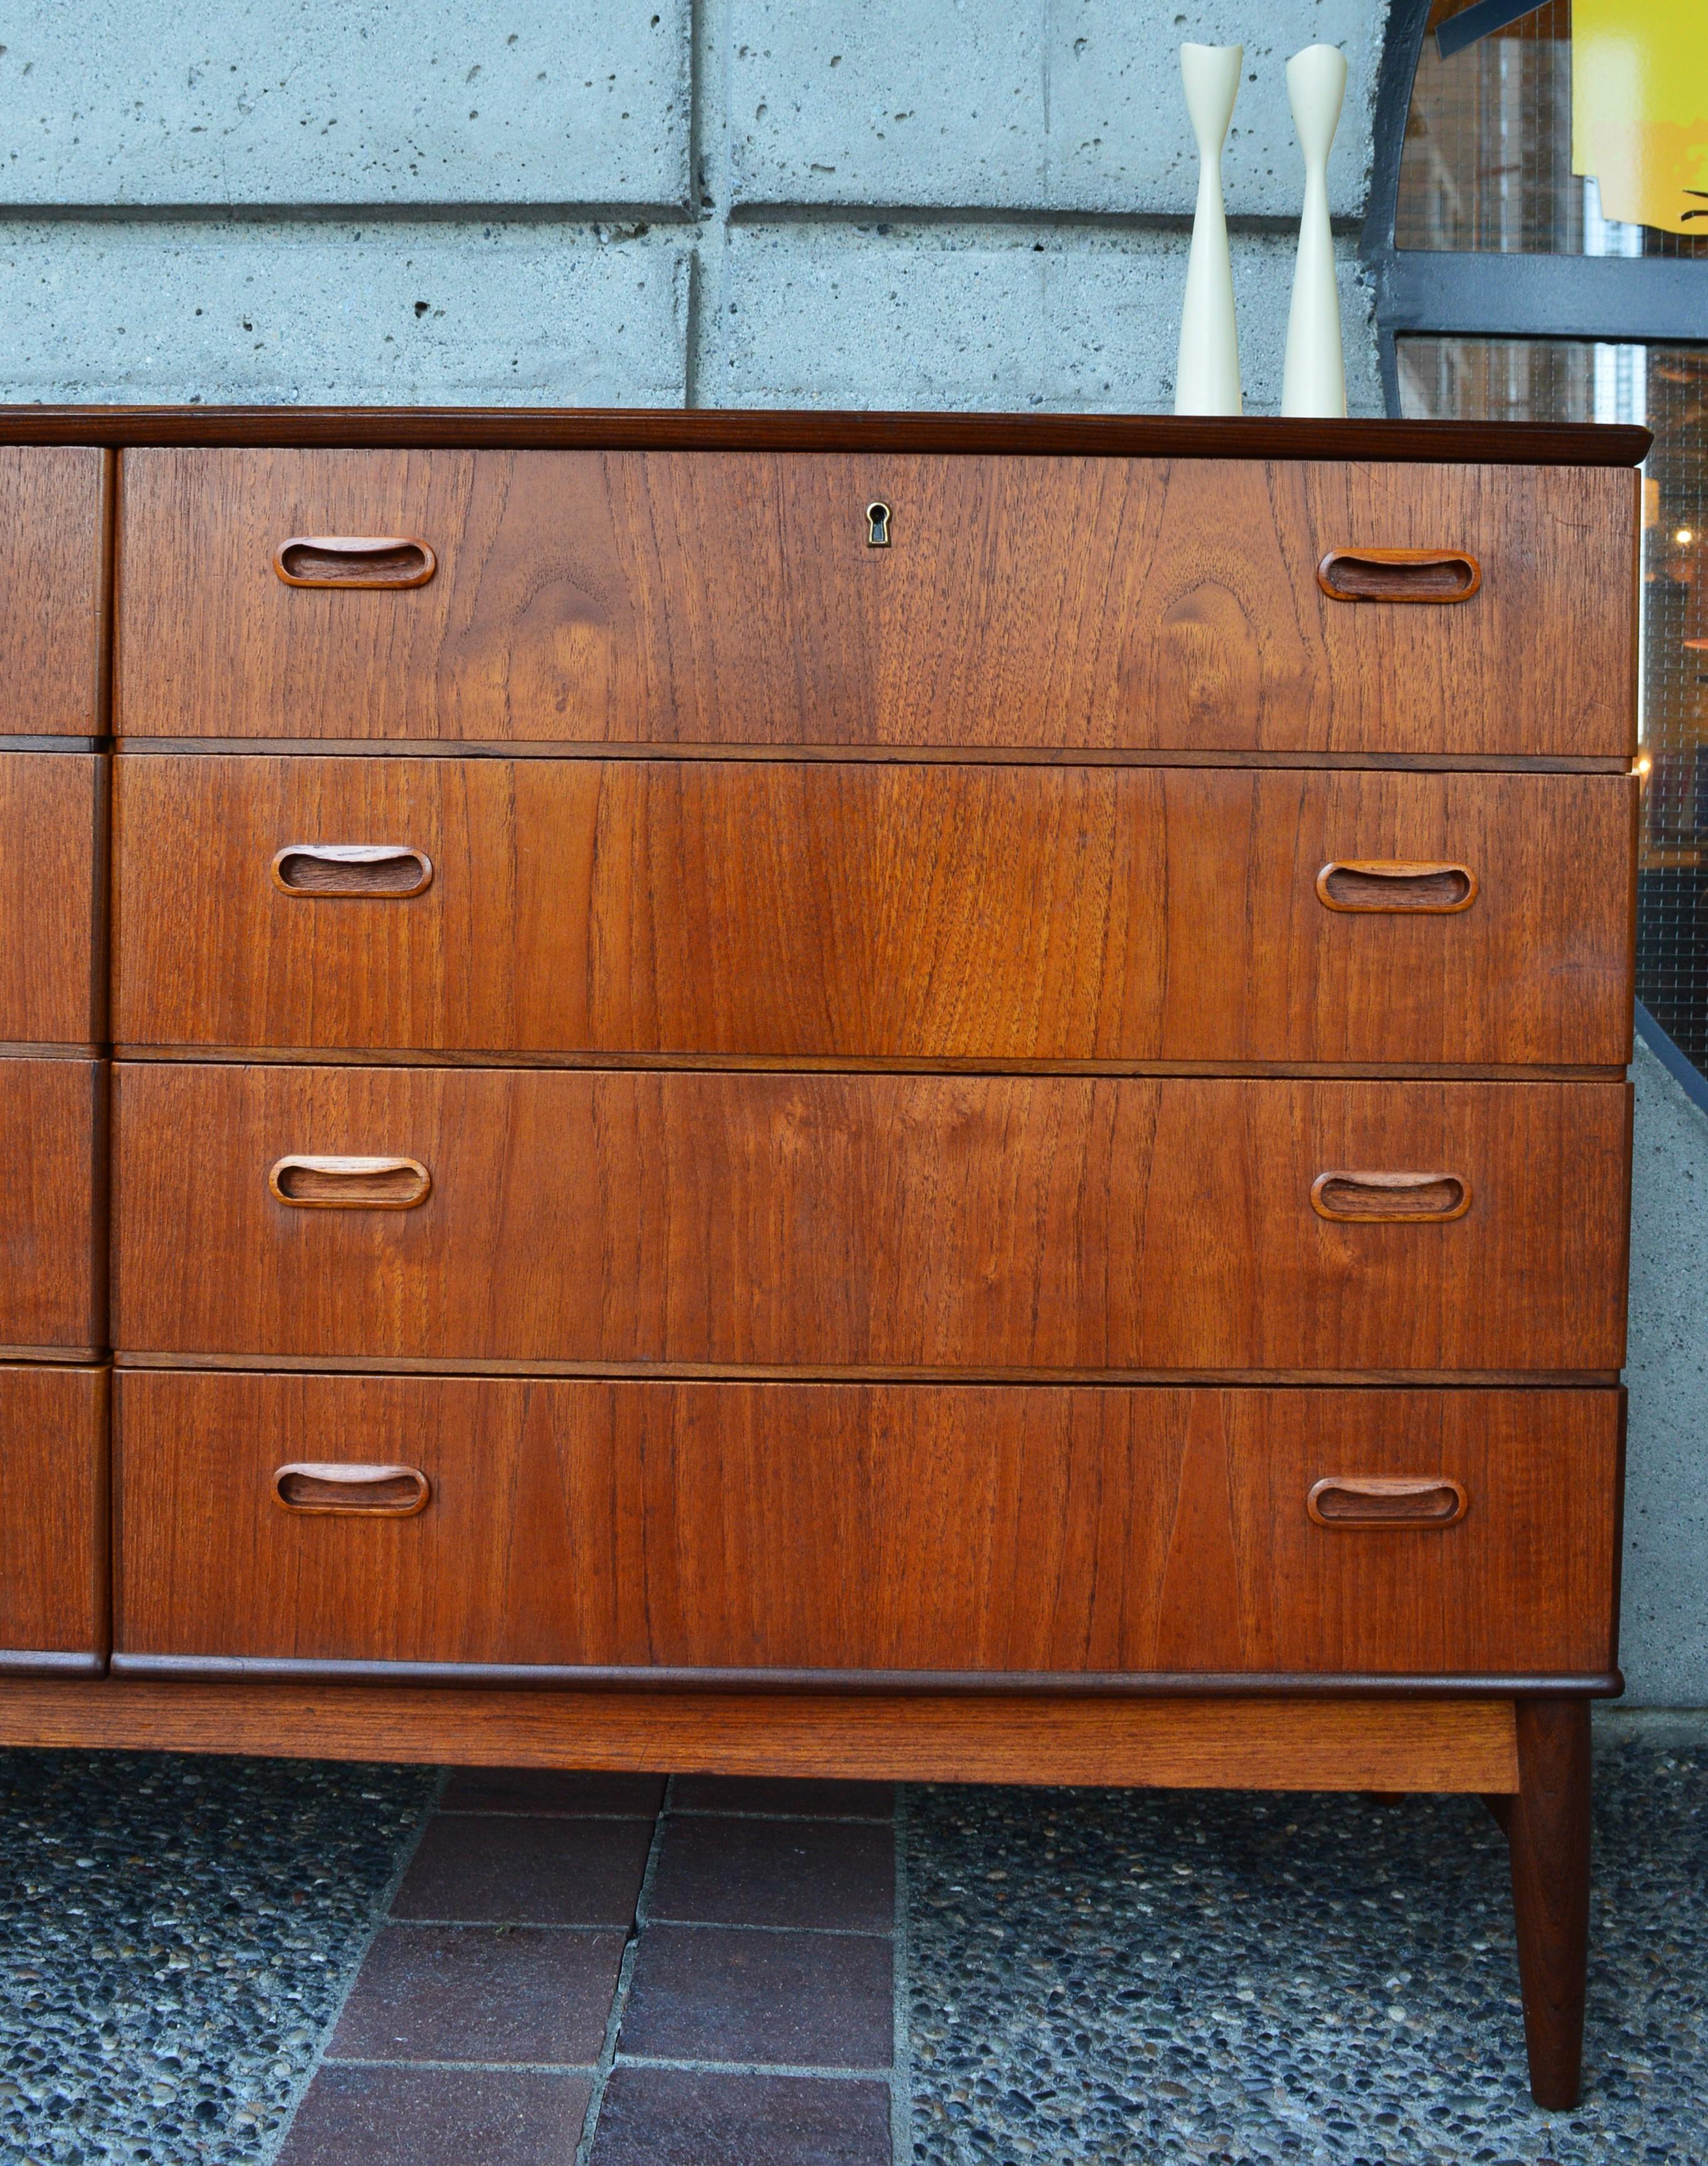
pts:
pixel 315 1520
pixel 53 1518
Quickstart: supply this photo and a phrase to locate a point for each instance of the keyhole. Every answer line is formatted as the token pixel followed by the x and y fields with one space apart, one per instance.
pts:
pixel 878 527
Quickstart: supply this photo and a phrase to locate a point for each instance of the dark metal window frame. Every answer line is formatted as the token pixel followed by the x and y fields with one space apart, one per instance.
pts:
pixel 1461 293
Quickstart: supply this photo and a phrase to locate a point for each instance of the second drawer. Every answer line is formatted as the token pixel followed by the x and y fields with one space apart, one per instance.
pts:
pixel 325 1520
pixel 53 963
pixel 869 1222
pixel 835 910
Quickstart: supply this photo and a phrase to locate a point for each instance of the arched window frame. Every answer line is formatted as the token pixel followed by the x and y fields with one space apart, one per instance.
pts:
pixel 1625 300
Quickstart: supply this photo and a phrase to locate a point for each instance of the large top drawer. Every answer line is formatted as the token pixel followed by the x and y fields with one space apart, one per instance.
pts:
pixel 873 598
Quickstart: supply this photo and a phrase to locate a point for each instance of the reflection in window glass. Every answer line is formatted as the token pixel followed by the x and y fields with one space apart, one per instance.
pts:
pixel 1666 388
pixel 1487 163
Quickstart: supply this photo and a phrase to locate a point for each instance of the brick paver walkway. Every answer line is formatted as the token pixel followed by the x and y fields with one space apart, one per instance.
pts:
pixel 609 1969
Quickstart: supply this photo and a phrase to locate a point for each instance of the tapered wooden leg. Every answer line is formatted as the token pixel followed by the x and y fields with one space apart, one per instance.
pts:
pixel 1548 1829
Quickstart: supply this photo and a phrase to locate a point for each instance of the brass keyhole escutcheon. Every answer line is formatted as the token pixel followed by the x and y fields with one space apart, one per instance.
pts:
pixel 878 527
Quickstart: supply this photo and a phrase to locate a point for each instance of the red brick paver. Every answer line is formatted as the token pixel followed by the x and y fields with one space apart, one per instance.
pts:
pixel 592 1966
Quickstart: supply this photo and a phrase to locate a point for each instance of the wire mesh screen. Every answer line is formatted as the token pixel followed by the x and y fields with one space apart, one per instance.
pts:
pixel 1487 162
pixel 1667 387
pixel 1486 167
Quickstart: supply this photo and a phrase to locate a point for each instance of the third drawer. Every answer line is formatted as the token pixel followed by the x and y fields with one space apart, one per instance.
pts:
pixel 323 1520
pixel 915 1223
pixel 833 911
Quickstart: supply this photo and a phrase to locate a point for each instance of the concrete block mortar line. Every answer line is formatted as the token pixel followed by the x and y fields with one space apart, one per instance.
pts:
pixel 901 2104
pixel 381 1912
pixel 628 219
pixel 619 1998
pixel 995 218
pixel 709 189
pixel 272 211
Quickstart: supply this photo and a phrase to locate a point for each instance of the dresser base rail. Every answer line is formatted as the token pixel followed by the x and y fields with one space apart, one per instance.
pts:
pixel 1222 1741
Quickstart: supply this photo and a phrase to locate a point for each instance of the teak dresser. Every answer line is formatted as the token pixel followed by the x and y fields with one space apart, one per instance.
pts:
pixel 922 1097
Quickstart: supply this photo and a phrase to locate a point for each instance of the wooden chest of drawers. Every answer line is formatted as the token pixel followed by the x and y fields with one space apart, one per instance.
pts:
pixel 875 1095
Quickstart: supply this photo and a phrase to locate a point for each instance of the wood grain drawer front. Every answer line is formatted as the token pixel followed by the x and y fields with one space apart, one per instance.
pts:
pixel 850 1527
pixel 53 600
pixel 53 1518
pixel 711 597
pixel 53 1136
pixel 52 845
pixel 1024 1223
pixel 869 911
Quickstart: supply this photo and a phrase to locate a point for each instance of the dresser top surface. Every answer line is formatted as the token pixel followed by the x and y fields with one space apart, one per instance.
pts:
pixel 734 429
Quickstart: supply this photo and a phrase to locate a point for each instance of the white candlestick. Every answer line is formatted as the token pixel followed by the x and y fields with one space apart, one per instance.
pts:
pixel 1315 378
pixel 1207 377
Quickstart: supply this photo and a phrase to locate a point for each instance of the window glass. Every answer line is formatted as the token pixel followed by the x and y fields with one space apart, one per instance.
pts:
pixel 1666 388
pixel 1487 162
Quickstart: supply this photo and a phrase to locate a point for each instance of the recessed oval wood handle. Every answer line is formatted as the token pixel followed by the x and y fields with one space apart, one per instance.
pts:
pixel 1387 1500
pixel 350 1184
pixel 1391 1198
pixel 354 560
pixel 381 1492
pixel 1400 575
pixel 1395 884
pixel 352 868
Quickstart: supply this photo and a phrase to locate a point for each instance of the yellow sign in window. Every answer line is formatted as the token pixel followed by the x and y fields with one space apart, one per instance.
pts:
pixel 1640 108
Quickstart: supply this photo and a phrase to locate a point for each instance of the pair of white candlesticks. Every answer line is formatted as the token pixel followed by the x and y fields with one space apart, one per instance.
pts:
pixel 1313 380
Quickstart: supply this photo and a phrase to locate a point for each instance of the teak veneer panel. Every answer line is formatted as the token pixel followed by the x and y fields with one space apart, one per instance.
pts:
pixel 795 910
pixel 832 1527
pixel 1243 1744
pixel 53 1518
pixel 723 598
pixel 52 878
pixel 53 1146
pixel 850 1221
pixel 53 590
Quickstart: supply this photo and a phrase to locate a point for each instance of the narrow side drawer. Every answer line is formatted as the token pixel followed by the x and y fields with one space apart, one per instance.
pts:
pixel 53 1220
pixel 52 876
pixel 53 590
pixel 53 1518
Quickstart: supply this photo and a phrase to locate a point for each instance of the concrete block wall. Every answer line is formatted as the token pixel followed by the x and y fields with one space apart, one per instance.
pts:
pixel 1664 1636
pixel 968 202
pixel 803 202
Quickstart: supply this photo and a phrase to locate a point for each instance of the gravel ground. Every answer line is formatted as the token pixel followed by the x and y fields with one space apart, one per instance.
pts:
pixel 174 1934
pixel 1141 1978
pixel 1161 1977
